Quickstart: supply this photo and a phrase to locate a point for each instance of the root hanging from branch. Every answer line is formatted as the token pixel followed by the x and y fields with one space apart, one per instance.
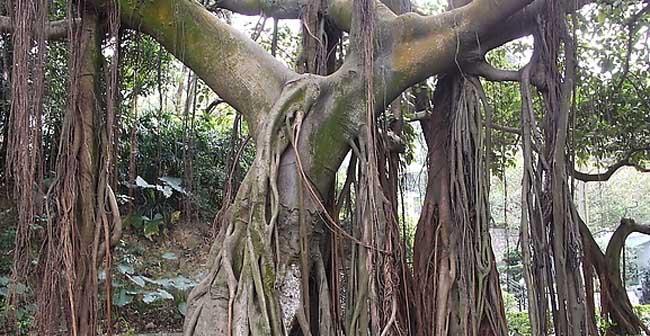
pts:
pixel 550 234
pixel 458 289
pixel 24 143
pixel 533 235
pixel 479 292
pixel 569 315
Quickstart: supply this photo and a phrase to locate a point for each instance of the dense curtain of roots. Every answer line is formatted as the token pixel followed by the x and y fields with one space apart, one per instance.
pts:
pixel 454 269
pixel 24 127
pixel 479 295
pixel 377 295
pixel 551 239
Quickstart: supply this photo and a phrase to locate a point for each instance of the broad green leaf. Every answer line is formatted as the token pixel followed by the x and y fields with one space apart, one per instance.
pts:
pixel 125 269
pixel 138 280
pixel 182 308
pixel 160 294
pixel 169 256
pixel 174 182
pixel 122 298
pixel 140 182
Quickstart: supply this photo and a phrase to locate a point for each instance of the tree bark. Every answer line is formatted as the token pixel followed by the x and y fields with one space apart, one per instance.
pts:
pixel 615 304
pixel 457 289
pixel 257 279
pixel 82 202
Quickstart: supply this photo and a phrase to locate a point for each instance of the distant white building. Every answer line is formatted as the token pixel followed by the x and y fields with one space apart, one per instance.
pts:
pixel 637 259
pixel 637 243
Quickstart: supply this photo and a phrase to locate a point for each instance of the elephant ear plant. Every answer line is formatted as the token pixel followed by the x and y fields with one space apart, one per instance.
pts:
pixel 159 205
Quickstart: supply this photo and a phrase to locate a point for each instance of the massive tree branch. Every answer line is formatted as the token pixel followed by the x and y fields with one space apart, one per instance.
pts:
pixel 282 9
pixel 55 30
pixel 421 45
pixel 616 243
pixel 427 45
pixel 519 25
pixel 604 176
pixel 230 63
pixel 338 11
pixel 249 79
pixel 414 47
pixel 480 15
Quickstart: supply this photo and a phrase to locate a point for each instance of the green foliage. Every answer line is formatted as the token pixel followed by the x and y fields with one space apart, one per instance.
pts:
pixel 289 43
pixel 518 323
pixel 505 101
pixel 612 95
pixel 133 288
pixel 510 303
pixel 160 155
pixel 143 66
pixel 158 207
pixel 512 267
pixel 643 311
pixel 24 314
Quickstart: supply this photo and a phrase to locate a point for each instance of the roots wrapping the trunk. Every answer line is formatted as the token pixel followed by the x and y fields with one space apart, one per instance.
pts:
pixel 256 274
pixel 458 286
pixel 83 216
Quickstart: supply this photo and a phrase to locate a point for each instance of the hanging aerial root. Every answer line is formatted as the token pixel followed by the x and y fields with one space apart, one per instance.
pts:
pixel 24 142
pixel 458 284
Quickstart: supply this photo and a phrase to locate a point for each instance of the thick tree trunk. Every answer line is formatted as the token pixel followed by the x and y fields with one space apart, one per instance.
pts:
pixel 268 274
pixel 82 201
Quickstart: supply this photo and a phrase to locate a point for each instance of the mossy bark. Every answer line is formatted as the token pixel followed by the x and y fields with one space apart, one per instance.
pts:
pixel 273 244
